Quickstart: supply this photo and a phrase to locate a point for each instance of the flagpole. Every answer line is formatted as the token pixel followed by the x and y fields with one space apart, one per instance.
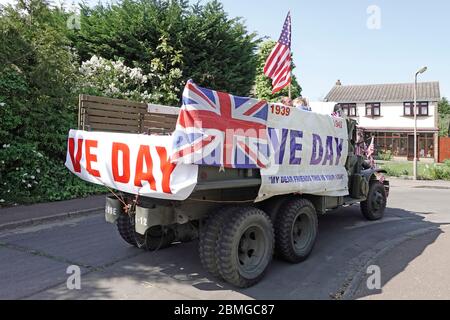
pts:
pixel 290 82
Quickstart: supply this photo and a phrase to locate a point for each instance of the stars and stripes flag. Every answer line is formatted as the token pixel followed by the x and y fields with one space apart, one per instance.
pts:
pixel 335 114
pixel 278 64
pixel 370 152
pixel 219 129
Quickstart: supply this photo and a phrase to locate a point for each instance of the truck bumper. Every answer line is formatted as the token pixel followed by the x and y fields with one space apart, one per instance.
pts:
pixel 145 218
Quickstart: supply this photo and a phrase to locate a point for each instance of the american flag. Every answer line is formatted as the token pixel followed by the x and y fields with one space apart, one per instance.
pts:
pixel 278 64
pixel 219 129
pixel 370 152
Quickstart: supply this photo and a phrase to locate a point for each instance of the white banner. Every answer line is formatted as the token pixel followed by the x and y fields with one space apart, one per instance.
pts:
pixel 308 154
pixel 132 163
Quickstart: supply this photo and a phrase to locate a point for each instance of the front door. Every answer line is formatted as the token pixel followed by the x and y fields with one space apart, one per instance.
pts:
pixel 411 147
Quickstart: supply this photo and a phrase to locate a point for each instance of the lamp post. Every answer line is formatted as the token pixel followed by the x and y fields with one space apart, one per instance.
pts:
pixel 420 71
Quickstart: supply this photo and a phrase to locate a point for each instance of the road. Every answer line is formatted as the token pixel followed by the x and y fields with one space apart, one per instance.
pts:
pixel 410 245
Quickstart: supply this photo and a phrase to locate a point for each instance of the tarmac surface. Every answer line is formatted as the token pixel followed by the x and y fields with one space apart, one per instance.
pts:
pixel 410 246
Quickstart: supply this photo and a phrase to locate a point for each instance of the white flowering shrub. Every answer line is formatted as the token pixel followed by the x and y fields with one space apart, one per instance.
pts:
pixel 100 76
pixel 114 79
pixel 168 78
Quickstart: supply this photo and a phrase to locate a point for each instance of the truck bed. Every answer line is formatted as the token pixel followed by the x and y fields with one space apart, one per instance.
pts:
pixel 117 115
pixel 214 184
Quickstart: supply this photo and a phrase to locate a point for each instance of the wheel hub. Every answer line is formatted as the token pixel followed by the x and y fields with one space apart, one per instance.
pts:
pixel 251 248
pixel 301 231
pixel 377 201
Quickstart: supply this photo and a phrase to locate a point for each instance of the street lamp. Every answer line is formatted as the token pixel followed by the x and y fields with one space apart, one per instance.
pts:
pixel 420 71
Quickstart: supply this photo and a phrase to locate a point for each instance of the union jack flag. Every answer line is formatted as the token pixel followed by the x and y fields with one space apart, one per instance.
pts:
pixel 219 129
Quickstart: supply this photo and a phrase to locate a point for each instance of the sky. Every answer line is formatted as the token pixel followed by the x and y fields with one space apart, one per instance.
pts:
pixel 356 41
pixel 343 39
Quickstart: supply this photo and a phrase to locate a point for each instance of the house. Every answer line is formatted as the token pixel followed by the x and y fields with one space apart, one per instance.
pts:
pixel 386 112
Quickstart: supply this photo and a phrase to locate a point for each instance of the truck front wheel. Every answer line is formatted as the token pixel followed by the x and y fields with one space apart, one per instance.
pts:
pixel 296 229
pixel 373 208
pixel 245 247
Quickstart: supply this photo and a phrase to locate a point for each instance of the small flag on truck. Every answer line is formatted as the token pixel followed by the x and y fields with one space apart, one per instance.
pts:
pixel 370 152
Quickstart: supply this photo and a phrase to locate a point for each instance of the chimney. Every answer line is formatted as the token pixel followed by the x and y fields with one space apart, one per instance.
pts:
pixel 338 83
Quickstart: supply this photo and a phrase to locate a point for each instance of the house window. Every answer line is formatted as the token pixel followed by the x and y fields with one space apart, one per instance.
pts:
pixel 349 109
pixel 397 143
pixel 426 145
pixel 422 108
pixel 373 110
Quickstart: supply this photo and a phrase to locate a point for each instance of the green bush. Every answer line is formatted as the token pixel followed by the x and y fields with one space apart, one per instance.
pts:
pixel 38 106
pixel 437 172
pixel 447 163
pixel 40 76
pixel 385 156
pixel 425 171
pixel 391 172
pixel 30 176
pixel 394 171
pixel 166 37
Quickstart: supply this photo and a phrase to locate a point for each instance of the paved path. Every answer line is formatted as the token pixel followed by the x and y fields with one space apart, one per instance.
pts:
pixel 26 215
pixel 407 244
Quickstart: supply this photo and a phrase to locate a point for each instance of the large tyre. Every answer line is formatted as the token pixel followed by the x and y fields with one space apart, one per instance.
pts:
pixel 156 237
pixel 245 247
pixel 209 234
pixel 125 226
pixel 373 208
pixel 296 228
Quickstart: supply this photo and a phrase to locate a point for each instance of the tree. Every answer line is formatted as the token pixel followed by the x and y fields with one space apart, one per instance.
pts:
pixel 37 104
pixel 166 37
pixel 151 46
pixel 444 117
pixel 263 84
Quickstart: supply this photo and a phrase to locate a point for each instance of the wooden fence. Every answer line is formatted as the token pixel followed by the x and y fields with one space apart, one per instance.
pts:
pixel 444 148
pixel 117 115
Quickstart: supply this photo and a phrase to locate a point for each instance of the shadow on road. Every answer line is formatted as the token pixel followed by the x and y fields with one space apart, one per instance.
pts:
pixel 346 245
pixel 395 261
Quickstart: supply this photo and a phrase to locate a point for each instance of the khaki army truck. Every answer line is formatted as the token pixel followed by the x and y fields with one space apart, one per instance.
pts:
pixel 237 237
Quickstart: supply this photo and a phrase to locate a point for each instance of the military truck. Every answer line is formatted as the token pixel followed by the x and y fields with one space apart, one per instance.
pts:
pixel 237 237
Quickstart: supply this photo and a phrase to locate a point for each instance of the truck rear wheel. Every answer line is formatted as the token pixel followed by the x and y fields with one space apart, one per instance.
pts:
pixel 373 208
pixel 245 247
pixel 296 229
pixel 155 238
pixel 125 226
pixel 209 234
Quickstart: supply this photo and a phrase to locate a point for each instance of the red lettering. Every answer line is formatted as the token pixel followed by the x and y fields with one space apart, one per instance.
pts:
pixel 75 158
pixel 166 169
pixel 125 150
pixel 88 144
pixel 144 156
